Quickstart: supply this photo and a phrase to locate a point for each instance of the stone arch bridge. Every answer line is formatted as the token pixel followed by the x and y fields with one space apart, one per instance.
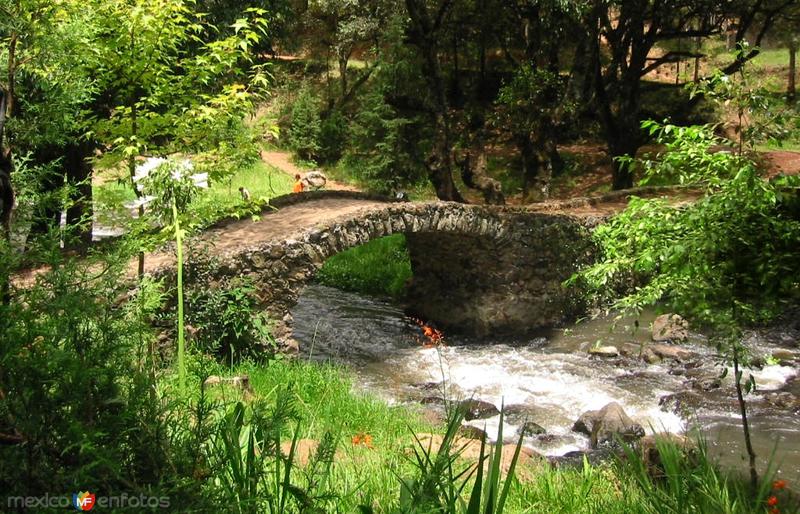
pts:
pixel 477 269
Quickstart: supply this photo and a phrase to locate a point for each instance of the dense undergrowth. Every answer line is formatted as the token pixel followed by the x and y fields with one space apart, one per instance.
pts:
pixel 90 401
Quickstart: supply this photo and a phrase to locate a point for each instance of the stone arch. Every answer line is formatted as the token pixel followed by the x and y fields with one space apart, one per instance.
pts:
pixel 281 269
pixel 477 268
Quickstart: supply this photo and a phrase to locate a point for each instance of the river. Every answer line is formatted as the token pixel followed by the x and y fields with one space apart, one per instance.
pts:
pixel 553 376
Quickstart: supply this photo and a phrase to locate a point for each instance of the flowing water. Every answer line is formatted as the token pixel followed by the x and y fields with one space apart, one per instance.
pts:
pixel 550 374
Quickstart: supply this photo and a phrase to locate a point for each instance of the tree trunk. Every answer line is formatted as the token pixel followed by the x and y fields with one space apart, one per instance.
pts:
pixel 343 60
pixel 440 168
pixel 791 91
pixel 621 146
pixel 530 165
pixel 78 170
pixel 473 172
pixel 423 33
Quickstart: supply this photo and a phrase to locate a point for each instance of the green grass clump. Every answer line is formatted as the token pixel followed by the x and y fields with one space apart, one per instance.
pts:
pixel 380 267
pixel 221 200
pixel 329 405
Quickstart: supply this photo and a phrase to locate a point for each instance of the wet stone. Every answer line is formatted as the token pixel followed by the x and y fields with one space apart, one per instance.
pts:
pixel 478 409
pixel 518 413
pixel 470 432
pixel 685 402
pixel 604 351
pixel 529 428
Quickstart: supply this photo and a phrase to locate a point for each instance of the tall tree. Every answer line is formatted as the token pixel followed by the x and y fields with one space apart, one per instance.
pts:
pixel 621 35
pixel 170 85
pixel 44 94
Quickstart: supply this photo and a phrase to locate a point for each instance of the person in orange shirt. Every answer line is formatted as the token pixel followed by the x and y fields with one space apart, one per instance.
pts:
pixel 298 184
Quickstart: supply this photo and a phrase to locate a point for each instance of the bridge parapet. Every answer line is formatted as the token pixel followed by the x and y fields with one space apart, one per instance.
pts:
pixel 477 269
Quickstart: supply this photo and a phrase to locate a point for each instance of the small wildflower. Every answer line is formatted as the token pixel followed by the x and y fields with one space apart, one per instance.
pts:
pixel 772 501
pixel 779 484
pixel 774 510
pixel 362 439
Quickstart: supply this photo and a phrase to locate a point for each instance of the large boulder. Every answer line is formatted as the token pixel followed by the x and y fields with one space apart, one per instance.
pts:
pixel 608 424
pixel 652 445
pixel 529 428
pixel 670 327
pixel 478 409
pixel 315 179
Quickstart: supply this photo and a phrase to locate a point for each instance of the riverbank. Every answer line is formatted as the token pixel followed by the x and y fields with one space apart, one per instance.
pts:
pixel 376 444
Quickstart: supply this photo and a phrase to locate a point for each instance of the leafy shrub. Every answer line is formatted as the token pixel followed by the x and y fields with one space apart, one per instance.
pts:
pixel 729 257
pixel 333 137
pixel 76 402
pixel 225 318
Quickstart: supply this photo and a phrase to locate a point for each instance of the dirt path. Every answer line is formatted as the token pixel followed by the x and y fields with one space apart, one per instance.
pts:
pixel 280 225
pixel 282 161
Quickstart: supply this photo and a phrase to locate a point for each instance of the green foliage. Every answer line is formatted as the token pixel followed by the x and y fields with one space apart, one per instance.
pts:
pixel 332 136
pixel 225 319
pixel 306 126
pixel 380 267
pixel 442 479
pixel 75 382
pixel 691 155
pixel 530 101
pixel 727 258
pixel 384 147
pixel 759 115
pixel 254 473
pixel 685 479
pixel 174 87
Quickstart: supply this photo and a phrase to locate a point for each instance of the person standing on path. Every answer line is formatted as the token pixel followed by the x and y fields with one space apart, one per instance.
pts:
pixel 298 184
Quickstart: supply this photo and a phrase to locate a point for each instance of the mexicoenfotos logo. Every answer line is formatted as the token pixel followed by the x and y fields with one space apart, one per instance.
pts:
pixel 83 501
pixel 86 501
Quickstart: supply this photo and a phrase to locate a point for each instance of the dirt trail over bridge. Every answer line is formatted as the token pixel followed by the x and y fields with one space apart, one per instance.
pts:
pixel 298 214
pixel 285 223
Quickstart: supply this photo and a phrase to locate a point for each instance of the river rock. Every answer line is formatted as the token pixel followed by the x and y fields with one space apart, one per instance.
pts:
pixel 519 412
pixel 704 381
pixel 784 401
pixel 470 449
pixel 574 460
pixel 427 386
pixel 650 357
pixel 470 432
pixel 434 415
pixel 669 351
pixel 684 402
pixel 606 424
pixel 529 428
pixel 604 351
pixel 651 456
pixel 670 327
pixel 478 409
pixel 784 355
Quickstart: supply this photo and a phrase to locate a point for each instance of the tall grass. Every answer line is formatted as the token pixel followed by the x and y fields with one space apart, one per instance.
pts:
pixel 380 267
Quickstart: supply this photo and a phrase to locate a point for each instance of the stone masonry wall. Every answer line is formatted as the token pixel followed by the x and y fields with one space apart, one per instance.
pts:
pixel 479 269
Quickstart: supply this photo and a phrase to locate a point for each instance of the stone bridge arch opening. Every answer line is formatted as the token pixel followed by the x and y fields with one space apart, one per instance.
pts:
pixel 476 269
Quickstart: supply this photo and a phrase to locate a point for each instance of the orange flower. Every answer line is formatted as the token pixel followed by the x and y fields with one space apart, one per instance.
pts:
pixel 779 484
pixel 362 438
pixel 772 501
pixel 774 511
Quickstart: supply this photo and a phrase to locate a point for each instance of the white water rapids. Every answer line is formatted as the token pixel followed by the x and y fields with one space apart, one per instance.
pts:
pixel 552 375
